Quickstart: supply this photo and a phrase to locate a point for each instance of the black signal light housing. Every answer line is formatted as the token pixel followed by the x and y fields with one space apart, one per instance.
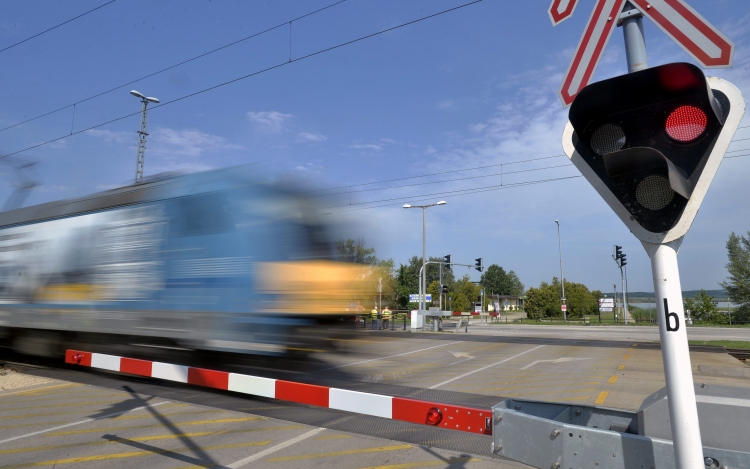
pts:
pixel 647 136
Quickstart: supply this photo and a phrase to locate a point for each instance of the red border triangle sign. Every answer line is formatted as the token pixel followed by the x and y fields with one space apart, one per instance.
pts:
pixel 677 19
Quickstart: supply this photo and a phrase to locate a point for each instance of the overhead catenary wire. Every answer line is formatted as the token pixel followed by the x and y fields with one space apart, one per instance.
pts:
pixel 449 180
pixel 250 75
pixel 199 56
pixel 456 193
pixel 56 26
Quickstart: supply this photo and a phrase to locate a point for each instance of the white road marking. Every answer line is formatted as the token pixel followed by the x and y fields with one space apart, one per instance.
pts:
pixel 81 422
pixel 273 449
pixel 556 360
pixel 392 356
pixel 485 367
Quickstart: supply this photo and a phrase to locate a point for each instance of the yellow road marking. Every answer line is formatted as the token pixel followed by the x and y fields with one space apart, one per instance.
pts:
pixel 509 388
pixel 613 379
pixel 564 391
pixel 58 405
pixel 626 357
pixel 333 437
pixel 40 424
pixel 79 395
pixel 621 367
pixel 376 449
pixel 630 349
pixel 21 393
pixel 434 462
pixel 177 424
pixel 73 412
pixel 602 396
pixel 132 454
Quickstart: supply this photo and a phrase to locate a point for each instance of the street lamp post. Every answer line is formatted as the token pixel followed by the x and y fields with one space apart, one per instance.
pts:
pixel 562 276
pixel 141 155
pixel 422 286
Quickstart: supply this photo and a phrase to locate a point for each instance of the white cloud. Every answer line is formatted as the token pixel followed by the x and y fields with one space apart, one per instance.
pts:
pixel 271 122
pixel 310 137
pixel 446 104
pixel 110 136
pixel 187 142
pixel 309 168
pixel 366 146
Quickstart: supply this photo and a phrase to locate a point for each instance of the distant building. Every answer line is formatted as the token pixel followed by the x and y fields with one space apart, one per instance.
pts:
pixel 505 302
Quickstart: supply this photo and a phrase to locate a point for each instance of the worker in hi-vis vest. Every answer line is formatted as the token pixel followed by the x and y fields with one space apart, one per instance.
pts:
pixel 374 314
pixel 386 317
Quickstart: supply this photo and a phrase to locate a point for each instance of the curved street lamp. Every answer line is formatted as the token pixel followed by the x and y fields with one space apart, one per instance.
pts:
pixel 422 286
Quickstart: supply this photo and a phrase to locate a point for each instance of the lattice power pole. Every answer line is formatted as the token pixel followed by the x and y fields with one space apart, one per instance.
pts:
pixel 142 134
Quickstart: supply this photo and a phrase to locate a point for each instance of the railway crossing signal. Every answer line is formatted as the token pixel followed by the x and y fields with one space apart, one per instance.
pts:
pixel 650 143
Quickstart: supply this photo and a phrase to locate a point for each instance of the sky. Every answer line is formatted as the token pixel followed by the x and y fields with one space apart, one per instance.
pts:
pixel 455 102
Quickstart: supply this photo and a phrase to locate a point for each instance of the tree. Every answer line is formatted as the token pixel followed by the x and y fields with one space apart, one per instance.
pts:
pixel 703 308
pixel 737 284
pixel 498 282
pixel 407 283
pixel 545 300
pixel 464 293
pixel 355 251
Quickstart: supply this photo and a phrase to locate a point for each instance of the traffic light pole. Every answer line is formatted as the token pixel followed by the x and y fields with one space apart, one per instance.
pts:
pixel 624 299
pixel 686 436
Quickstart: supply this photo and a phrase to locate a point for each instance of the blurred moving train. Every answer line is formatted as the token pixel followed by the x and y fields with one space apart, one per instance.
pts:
pixel 206 261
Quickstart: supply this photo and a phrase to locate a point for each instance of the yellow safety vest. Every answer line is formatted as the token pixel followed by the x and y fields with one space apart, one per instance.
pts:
pixel 374 314
pixel 386 314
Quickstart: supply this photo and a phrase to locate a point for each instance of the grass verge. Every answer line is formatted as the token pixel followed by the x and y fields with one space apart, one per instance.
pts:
pixel 722 343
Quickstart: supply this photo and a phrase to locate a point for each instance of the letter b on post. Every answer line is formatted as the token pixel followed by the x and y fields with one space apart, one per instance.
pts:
pixel 670 318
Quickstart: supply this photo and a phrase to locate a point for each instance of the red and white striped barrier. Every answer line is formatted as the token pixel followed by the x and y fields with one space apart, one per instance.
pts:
pixel 397 408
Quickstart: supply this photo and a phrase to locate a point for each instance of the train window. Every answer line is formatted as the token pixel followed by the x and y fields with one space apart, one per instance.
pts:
pixel 203 214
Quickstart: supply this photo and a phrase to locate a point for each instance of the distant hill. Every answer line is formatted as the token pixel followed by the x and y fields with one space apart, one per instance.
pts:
pixel 636 295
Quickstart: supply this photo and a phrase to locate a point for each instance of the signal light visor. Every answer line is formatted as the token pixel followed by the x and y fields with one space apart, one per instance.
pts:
pixel 686 123
pixel 434 416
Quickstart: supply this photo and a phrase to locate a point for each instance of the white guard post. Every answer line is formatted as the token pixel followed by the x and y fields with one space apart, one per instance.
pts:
pixel 683 413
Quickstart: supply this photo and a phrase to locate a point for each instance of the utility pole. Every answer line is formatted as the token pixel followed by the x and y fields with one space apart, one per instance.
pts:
pixel 562 276
pixel 142 134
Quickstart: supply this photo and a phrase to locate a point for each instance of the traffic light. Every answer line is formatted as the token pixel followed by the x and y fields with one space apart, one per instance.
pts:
pixel 622 261
pixel 650 143
pixel 617 254
pixel 478 264
pixel 445 289
pixel 447 261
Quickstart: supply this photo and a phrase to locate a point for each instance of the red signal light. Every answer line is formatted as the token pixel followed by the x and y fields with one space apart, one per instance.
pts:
pixel 686 123
pixel 77 358
pixel 434 416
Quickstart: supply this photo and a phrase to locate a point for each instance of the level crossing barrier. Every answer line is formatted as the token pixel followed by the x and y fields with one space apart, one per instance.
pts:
pixel 448 416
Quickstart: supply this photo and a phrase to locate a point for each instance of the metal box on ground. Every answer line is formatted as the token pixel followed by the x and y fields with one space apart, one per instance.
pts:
pixel 552 435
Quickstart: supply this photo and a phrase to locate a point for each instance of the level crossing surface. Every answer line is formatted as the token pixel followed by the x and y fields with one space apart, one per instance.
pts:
pixel 113 420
